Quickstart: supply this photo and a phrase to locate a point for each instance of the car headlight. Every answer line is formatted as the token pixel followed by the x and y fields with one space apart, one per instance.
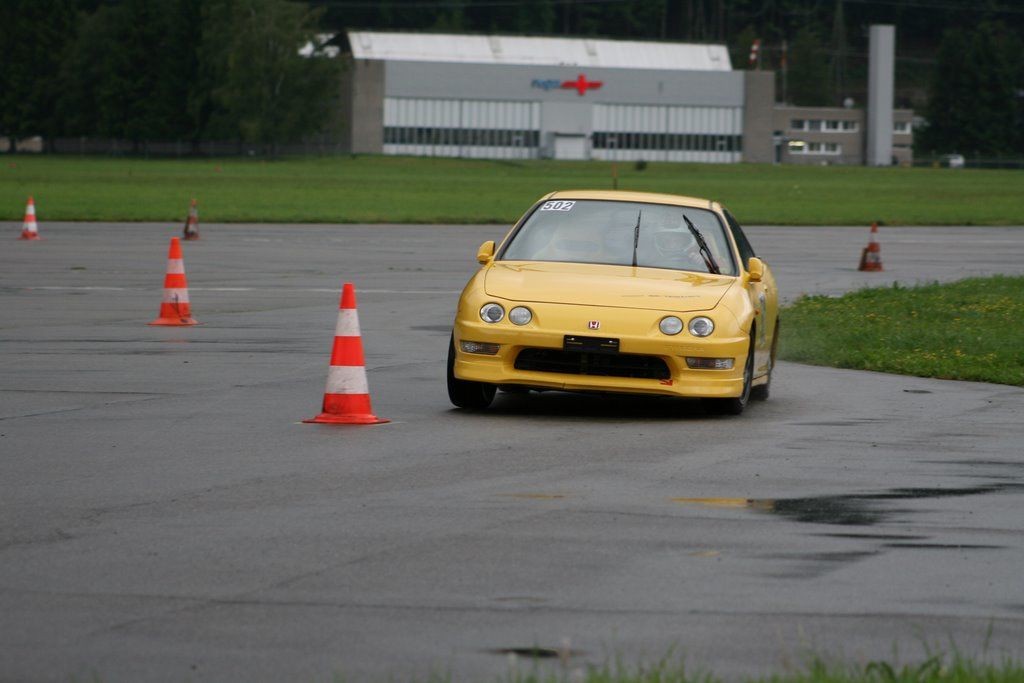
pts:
pixel 701 326
pixel 520 315
pixel 670 325
pixel 492 313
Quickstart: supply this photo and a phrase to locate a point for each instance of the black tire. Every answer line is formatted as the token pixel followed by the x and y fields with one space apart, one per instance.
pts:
pixel 762 391
pixel 735 406
pixel 464 393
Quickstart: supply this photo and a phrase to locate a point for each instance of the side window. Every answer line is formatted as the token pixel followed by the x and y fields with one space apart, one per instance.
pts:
pixel 746 251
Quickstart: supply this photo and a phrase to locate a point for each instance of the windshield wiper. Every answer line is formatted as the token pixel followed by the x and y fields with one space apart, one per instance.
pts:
pixel 636 235
pixel 709 259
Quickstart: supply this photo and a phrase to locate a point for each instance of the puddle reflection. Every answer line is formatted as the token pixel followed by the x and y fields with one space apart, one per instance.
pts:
pixel 858 509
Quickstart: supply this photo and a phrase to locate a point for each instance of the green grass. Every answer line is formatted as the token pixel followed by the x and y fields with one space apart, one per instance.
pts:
pixel 937 669
pixel 374 189
pixel 967 330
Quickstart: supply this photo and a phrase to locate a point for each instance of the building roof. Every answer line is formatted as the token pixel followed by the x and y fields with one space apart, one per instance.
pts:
pixel 576 52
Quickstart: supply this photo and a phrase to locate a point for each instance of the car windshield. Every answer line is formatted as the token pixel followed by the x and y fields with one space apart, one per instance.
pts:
pixel 593 231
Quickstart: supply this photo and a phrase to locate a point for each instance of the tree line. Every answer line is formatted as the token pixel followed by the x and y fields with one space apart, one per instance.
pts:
pixel 188 70
pixel 976 96
pixel 198 70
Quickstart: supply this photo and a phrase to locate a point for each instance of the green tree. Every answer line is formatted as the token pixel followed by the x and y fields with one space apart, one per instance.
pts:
pixel 267 90
pixel 33 40
pixel 131 70
pixel 975 104
pixel 808 70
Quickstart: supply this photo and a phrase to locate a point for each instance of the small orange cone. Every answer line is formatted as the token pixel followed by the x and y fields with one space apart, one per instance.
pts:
pixel 29 229
pixel 871 256
pixel 347 396
pixel 174 309
pixel 191 230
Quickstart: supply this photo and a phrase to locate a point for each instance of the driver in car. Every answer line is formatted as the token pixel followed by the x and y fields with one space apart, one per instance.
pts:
pixel 675 248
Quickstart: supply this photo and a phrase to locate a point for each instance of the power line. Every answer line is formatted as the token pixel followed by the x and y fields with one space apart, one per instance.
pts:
pixel 940 4
pixel 461 4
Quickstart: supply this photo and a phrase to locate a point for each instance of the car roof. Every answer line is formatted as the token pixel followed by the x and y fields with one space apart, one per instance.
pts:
pixel 625 196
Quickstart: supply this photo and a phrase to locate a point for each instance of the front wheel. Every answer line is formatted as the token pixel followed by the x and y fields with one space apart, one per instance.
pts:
pixel 735 406
pixel 465 393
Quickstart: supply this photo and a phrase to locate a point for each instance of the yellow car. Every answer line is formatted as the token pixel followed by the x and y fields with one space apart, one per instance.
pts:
pixel 623 292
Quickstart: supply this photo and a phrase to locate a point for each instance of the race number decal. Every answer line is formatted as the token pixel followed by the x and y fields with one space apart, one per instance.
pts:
pixel 559 205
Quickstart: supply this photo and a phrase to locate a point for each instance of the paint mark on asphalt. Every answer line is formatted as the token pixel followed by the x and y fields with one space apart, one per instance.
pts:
pixel 69 288
pixel 535 496
pixel 536 652
pixel 944 546
pixel 520 599
pixel 716 502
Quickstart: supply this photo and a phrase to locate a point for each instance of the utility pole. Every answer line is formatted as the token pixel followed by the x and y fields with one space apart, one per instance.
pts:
pixel 838 52
pixel 784 63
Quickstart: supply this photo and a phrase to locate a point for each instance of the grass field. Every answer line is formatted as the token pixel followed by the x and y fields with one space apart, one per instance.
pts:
pixel 420 190
pixel 967 330
pixel 936 669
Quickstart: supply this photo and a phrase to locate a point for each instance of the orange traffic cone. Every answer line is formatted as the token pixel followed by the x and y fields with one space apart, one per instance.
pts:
pixel 191 230
pixel 871 256
pixel 347 396
pixel 174 309
pixel 29 229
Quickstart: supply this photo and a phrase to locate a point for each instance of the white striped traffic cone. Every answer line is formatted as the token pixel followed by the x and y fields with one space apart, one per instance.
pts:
pixel 29 228
pixel 347 395
pixel 871 256
pixel 191 231
pixel 174 307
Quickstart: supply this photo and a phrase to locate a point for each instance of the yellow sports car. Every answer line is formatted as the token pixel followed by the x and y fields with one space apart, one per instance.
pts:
pixel 623 292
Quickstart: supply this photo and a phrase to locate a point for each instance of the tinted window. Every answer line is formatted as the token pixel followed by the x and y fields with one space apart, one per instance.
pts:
pixel 595 231
pixel 746 251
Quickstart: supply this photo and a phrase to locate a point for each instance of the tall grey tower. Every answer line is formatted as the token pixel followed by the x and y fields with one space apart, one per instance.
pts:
pixel 881 75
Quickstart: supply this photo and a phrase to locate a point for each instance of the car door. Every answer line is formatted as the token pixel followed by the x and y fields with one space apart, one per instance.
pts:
pixel 763 298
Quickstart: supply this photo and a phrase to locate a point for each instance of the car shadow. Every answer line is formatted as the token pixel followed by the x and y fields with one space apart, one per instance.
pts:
pixel 562 404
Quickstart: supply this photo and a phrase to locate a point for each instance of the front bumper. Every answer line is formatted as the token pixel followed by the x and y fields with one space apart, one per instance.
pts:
pixel 673 351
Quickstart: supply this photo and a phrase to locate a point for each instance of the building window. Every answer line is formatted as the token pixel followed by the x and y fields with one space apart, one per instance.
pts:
pixel 901 127
pixel 687 142
pixel 829 125
pixel 450 137
pixel 801 147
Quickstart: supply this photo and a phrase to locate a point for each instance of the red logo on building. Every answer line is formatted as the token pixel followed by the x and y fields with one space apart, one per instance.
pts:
pixel 581 85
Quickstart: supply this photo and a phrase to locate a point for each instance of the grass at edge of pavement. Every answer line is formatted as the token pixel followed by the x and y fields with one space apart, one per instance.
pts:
pixel 385 189
pixel 936 669
pixel 966 330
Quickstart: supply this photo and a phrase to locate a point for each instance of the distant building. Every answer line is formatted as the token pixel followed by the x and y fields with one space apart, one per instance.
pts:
pixel 834 135
pixel 574 98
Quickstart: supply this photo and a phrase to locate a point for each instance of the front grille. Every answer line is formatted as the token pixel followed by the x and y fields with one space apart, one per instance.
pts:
pixel 602 364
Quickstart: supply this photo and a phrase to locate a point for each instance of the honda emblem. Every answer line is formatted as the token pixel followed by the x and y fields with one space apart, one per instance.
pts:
pixel 594 324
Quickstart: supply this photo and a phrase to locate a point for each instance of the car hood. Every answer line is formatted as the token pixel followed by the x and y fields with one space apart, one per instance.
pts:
pixel 589 284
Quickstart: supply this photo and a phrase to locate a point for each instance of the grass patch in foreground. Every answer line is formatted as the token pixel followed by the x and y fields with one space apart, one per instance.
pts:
pixel 967 330
pixel 937 669
pixel 382 189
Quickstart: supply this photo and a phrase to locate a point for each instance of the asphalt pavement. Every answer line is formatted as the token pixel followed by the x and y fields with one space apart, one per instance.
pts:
pixel 165 516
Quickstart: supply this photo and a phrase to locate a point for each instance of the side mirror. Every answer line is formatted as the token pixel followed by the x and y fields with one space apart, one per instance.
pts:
pixel 486 253
pixel 755 267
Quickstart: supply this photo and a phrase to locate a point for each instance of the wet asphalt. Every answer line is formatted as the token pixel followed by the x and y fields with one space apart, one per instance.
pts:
pixel 165 516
